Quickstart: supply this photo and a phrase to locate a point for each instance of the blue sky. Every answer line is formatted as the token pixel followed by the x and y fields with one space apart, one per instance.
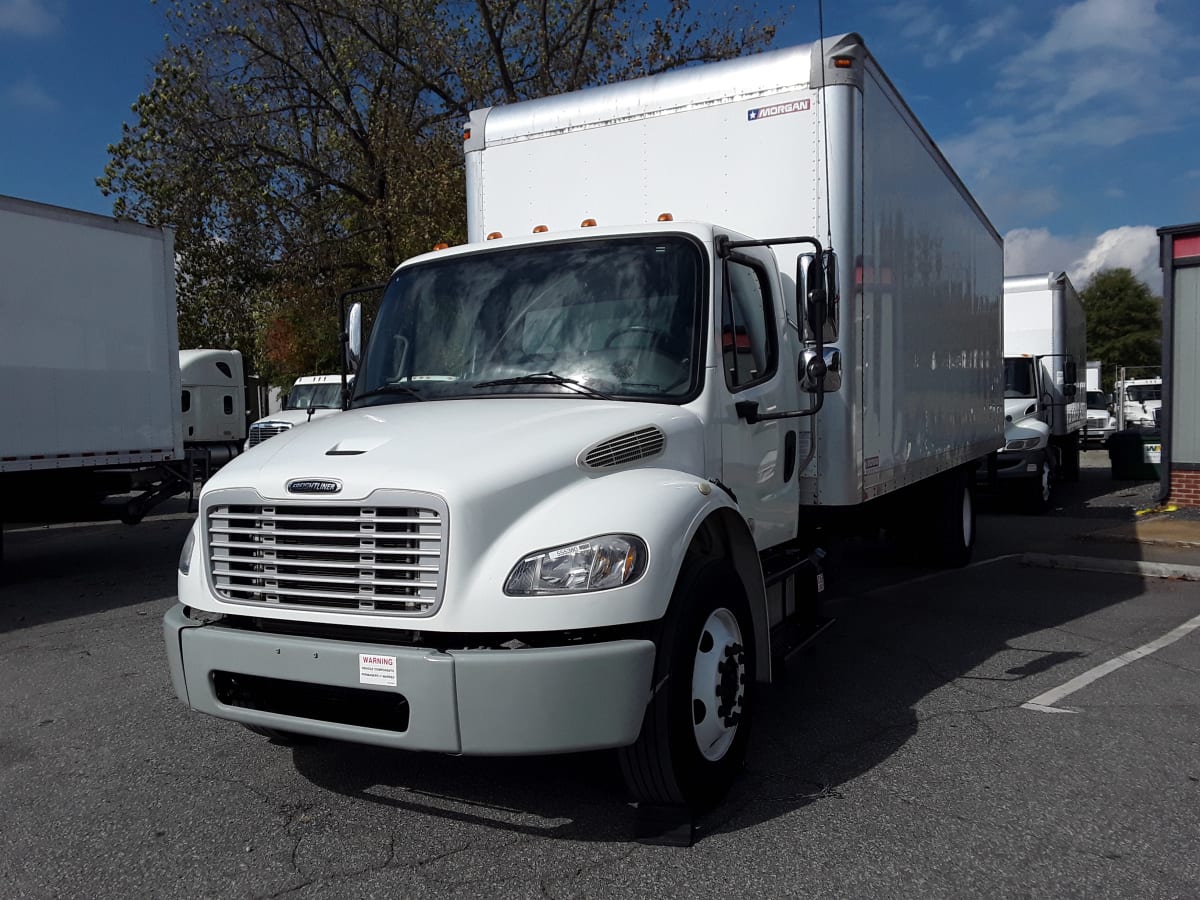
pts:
pixel 1075 124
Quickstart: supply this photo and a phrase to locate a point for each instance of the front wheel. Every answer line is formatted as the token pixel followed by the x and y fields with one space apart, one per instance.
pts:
pixel 1039 491
pixel 694 736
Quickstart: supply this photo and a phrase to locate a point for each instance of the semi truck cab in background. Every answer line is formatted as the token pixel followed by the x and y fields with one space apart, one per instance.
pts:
pixel 593 457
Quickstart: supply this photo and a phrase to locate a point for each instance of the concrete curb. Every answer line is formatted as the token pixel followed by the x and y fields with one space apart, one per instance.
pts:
pixel 1114 566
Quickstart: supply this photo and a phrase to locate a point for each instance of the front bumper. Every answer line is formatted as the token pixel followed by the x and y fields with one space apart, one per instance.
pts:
pixel 1016 465
pixel 485 702
pixel 1096 435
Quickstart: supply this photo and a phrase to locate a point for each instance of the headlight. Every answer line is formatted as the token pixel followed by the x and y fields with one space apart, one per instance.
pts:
pixel 595 564
pixel 185 555
pixel 1022 444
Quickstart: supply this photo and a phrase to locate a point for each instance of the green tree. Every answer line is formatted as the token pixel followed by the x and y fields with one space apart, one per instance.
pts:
pixel 1124 322
pixel 301 147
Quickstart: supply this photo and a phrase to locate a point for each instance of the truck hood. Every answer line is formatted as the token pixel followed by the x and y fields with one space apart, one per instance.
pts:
pixel 469 447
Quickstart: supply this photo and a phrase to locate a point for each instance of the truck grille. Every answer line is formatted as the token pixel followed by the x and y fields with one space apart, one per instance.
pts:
pixel 261 431
pixel 369 559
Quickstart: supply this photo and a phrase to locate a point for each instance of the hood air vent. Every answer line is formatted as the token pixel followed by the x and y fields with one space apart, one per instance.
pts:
pixel 625 448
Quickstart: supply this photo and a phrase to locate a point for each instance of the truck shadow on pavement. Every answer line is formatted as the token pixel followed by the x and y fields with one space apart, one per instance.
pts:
pixel 912 650
pixel 62 572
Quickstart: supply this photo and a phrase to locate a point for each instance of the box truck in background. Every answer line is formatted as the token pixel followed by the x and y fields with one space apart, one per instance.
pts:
pixel 1045 388
pixel 90 384
pixel 581 495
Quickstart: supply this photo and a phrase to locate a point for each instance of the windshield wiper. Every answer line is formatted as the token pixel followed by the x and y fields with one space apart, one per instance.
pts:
pixel 547 378
pixel 393 388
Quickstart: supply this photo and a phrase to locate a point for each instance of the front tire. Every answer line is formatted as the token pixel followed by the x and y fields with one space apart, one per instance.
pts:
pixel 697 726
pixel 1039 492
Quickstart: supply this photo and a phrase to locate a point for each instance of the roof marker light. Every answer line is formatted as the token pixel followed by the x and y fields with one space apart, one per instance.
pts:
pixel 666 217
pixel 466 134
pixel 494 235
pixel 441 245
pixel 540 229
pixel 843 62
pixel 588 223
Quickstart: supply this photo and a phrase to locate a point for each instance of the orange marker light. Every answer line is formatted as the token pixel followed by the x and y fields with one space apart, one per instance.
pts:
pixel 540 229
pixel 441 245
pixel 843 62
pixel 494 235
pixel 666 217
pixel 588 223
pixel 466 134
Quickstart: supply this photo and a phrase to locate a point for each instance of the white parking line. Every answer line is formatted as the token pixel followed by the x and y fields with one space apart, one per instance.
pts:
pixel 1045 702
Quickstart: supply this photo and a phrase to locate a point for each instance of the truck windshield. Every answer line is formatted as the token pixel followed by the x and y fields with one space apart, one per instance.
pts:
pixel 1140 393
pixel 602 318
pixel 322 396
pixel 1097 400
pixel 1018 377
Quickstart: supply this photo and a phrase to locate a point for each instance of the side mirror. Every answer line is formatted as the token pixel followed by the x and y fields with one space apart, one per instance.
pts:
pixel 354 337
pixel 1069 390
pixel 818 295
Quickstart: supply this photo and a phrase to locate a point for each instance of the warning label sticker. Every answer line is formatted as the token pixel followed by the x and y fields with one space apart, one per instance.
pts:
pixel 376 669
pixel 778 109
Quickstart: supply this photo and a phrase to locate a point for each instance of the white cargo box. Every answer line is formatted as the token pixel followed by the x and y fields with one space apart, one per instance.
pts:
pixel 785 143
pixel 89 366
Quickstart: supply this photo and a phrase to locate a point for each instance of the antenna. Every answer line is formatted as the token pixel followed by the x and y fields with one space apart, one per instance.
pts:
pixel 824 122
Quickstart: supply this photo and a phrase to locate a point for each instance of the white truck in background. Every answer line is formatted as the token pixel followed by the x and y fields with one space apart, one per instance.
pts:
pixel 582 491
pixel 1045 387
pixel 91 395
pixel 311 397
pixel 213 402
pixel 1101 420
pixel 1140 399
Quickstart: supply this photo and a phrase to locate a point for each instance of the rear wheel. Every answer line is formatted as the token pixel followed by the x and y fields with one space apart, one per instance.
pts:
pixel 694 736
pixel 954 523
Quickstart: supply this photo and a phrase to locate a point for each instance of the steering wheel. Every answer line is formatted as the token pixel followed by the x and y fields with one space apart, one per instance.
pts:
pixel 657 336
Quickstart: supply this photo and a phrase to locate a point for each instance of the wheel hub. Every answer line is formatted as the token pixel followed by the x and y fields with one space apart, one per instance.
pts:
pixel 718 684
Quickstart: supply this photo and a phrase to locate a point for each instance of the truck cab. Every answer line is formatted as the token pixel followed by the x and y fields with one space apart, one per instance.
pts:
pixel 1141 398
pixel 311 397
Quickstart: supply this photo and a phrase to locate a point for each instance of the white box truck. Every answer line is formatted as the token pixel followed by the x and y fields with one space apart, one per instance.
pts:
pixel 578 498
pixel 1045 388
pixel 90 384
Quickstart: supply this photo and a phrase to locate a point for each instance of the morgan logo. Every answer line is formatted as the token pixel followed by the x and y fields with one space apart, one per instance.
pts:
pixel 779 109
pixel 313 486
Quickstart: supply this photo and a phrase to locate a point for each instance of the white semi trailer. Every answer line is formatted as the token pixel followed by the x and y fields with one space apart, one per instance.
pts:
pixel 1045 385
pixel 580 496
pixel 91 396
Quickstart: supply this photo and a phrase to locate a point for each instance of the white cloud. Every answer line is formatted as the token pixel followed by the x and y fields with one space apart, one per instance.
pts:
pixel 27 18
pixel 28 94
pixel 1103 74
pixel 924 23
pixel 1133 247
pixel 1028 251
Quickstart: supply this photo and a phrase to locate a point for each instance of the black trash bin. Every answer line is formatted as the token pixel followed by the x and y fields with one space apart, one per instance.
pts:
pixel 1134 454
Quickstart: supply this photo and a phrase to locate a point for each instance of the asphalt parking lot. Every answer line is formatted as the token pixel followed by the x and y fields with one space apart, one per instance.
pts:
pixel 1000 731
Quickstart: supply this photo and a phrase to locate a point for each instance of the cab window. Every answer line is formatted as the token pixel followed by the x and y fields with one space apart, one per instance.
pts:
pixel 748 345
